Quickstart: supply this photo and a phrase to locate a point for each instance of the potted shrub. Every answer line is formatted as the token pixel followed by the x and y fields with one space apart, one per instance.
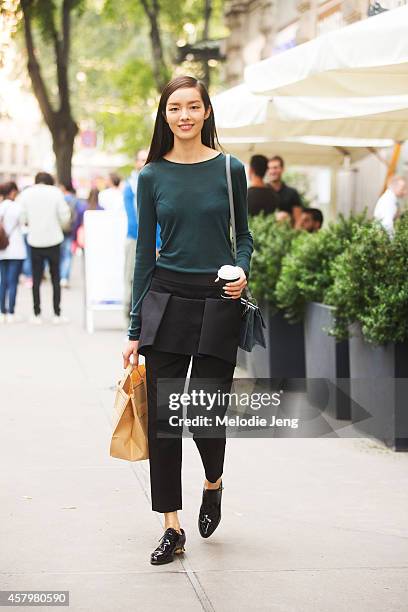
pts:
pixel 370 292
pixel 301 290
pixel 272 240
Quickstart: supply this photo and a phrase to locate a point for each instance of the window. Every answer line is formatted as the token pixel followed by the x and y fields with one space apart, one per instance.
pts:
pixel 26 154
pixel 13 154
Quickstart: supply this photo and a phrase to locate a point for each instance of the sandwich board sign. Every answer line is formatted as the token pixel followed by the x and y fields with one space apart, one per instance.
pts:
pixel 104 248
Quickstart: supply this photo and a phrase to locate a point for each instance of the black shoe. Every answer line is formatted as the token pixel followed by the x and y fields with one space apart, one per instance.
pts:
pixel 210 511
pixel 171 543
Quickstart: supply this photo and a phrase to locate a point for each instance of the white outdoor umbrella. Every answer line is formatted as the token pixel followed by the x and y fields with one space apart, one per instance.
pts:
pixel 240 113
pixel 307 151
pixel 367 58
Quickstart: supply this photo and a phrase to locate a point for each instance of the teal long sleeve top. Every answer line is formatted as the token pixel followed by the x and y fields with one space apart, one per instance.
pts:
pixel 190 203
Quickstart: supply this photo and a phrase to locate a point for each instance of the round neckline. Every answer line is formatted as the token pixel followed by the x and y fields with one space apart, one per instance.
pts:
pixel 205 161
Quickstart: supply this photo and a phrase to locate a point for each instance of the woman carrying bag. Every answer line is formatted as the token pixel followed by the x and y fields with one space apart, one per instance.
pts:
pixel 180 308
pixel 13 254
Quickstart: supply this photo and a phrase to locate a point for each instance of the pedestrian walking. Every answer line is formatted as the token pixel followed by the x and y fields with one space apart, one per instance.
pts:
pixel 111 198
pixel 178 312
pixel 46 213
pixel 66 246
pixel 27 270
pixel 91 203
pixel 12 257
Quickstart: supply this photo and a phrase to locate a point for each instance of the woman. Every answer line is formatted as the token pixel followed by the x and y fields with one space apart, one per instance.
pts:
pixel 92 203
pixel 178 311
pixel 12 257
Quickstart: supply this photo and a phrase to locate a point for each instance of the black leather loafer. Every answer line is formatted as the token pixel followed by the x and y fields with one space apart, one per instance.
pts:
pixel 210 511
pixel 171 543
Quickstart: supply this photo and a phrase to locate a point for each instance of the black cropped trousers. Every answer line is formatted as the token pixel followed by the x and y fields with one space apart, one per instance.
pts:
pixel 210 374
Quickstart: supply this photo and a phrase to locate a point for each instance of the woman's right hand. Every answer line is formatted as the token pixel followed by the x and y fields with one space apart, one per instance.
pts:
pixel 131 348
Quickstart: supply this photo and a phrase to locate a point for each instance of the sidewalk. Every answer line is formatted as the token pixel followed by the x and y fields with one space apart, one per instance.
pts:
pixel 309 525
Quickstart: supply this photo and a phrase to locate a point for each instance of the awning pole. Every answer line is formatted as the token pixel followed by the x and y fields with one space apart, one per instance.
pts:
pixel 392 166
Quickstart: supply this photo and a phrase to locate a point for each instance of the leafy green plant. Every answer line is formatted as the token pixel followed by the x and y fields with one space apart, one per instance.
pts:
pixel 272 240
pixel 306 274
pixel 301 182
pixel 371 285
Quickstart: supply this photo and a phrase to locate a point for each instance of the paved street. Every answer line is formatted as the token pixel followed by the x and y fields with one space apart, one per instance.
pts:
pixel 308 525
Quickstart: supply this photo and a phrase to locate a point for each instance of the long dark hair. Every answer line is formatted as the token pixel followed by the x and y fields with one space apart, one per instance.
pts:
pixel 92 202
pixel 163 137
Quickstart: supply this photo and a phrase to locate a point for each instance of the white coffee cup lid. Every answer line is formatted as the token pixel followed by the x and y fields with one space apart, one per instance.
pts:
pixel 228 272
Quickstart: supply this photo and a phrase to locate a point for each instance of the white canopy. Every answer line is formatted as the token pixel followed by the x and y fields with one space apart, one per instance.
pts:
pixel 318 151
pixel 240 113
pixel 367 58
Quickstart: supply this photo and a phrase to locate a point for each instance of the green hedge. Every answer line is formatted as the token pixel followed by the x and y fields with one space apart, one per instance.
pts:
pixel 351 265
pixel 371 285
pixel 272 241
pixel 306 272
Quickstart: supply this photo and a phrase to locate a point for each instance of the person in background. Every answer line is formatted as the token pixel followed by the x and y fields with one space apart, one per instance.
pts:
pixel 387 209
pixel 66 246
pixel 288 197
pixel 111 198
pixel 44 210
pixel 2 191
pixel 129 198
pixel 12 257
pixel 91 203
pixel 311 219
pixel 260 196
pixel 27 268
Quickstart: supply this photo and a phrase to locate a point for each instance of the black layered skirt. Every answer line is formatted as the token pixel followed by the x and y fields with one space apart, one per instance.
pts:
pixel 184 313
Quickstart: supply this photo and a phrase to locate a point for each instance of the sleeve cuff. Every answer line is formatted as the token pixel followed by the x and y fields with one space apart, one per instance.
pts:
pixel 134 336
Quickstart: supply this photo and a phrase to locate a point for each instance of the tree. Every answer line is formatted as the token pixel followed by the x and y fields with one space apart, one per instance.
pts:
pixel 113 79
pixel 160 70
pixel 151 31
pixel 58 117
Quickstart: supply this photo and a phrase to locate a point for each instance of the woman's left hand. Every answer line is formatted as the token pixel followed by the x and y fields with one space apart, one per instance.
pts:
pixel 235 288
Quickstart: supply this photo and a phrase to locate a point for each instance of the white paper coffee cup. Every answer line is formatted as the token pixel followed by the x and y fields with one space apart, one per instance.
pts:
pixel 227 274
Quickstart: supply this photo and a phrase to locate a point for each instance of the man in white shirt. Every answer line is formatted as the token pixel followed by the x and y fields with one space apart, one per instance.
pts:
pixel 44 210
pixel 111 199
pixel 387 207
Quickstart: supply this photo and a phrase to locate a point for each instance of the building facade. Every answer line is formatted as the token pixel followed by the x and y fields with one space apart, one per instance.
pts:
pixel 261 28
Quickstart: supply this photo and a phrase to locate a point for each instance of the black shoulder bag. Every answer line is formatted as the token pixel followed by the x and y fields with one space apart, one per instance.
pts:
pixel 252 325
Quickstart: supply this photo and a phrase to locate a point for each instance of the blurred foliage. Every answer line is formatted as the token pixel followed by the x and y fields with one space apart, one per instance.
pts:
pixel 352 265
pixel 272 241
pixel 111 79
pixel 306 274
pixel 301 182
pixel 371 284
pixel 126 93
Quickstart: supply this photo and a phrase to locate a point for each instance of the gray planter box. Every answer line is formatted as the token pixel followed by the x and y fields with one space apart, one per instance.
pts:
pixel 379 389
pixel 284 357
pixel 242 359
pixel 327 363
